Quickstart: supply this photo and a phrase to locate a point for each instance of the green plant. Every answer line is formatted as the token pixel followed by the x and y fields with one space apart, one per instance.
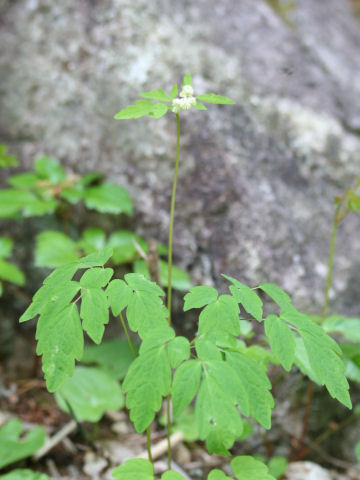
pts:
pixel 224 377
pixel 24 474
pixel 12 448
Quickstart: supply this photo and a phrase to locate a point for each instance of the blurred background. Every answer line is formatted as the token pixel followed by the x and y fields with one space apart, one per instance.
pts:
pixel 257 179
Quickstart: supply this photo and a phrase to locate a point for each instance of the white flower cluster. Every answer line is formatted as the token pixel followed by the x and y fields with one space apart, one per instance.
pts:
pixel 186 101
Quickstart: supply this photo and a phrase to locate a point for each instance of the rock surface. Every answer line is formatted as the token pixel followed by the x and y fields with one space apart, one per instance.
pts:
pixel 257 180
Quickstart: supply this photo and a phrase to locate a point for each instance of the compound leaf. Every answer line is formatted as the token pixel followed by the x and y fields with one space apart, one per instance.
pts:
pixel 199 297
pixel 54 249
pixel 60 342
pixel 213 98
pixel 94 312
pixel 323 354
pixel 147 381
pixel 134 469
pixel 281 340
pixel 140 109
pixel 256 384
pixel 248 468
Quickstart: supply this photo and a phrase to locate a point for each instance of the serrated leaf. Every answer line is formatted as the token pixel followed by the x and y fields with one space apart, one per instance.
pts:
pixel 145 312
pixel 221 315
pixel 200 296
pixel 114 356
pixel 159 110
pixel 277 294
pixel 73 194
pixel 96 259
pixel 11 273
pixel 187 79
pixel 140 109
pixel 179 350
pixel 247 468
pixel 39 207
pixel 108 198
pixel 134 469
pixel 90 392
pixel 257 385
pixel 174 92
pixel 24 474
pixel 6 245
pixel 218 420
pixel 48 168
pixel 14 448
pixel 13 202
pixel 94 312
pixel 281 340
pixel 214 98
pixel 158 94
pixel 185 385
pixel 171 475
pixel 147 381
pixel 61 274
pixel 247 297
pixel 123 243
pixel 60 342
pixel 54 249
pixel 324 355
pixel 119 294
pixel 96 277
pixel 159 336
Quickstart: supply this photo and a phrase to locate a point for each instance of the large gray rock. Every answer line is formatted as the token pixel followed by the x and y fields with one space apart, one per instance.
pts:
pixel 257 180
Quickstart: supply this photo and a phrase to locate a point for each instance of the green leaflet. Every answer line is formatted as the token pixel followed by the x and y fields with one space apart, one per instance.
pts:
pixel 96 277
pixel 60 342
pixel 217 417
pixel 6 245
pixel 48 168
pixel 198 297
pixel 147 381
pixel 6 160
pixel 179 350
pixel 92 239
pixel 221 315
pixel 247 297
pixel 134 469
pixel 173 92
pixel 348 327
pixel 171 475
pixel 217 474
pixel 14 448
pixel 206 348
pixel 281 340
pixel 257 385
pixel 11 273
pixel 146 309
pixel 140 109
pixel 158 94
pixel 180 279
pixel 119 294
pixel 187 79
pixel 247 468
pixel 323 355
pixel 199 106
pixel 185 385
pixel 94 312
pixel 277 294
pixel 108 198
pixel 90 392
pixel 213 98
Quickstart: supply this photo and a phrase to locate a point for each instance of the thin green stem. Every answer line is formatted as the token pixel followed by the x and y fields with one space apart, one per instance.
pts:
pixel 127 335
pixel 148 432
pixel 330 263
pixel 172 212
pixel 168 425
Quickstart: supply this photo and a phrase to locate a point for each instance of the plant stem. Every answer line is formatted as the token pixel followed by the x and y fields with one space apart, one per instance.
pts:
pixel 172 212
pixel 127 335
pixel 330 263
pixel 148 433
